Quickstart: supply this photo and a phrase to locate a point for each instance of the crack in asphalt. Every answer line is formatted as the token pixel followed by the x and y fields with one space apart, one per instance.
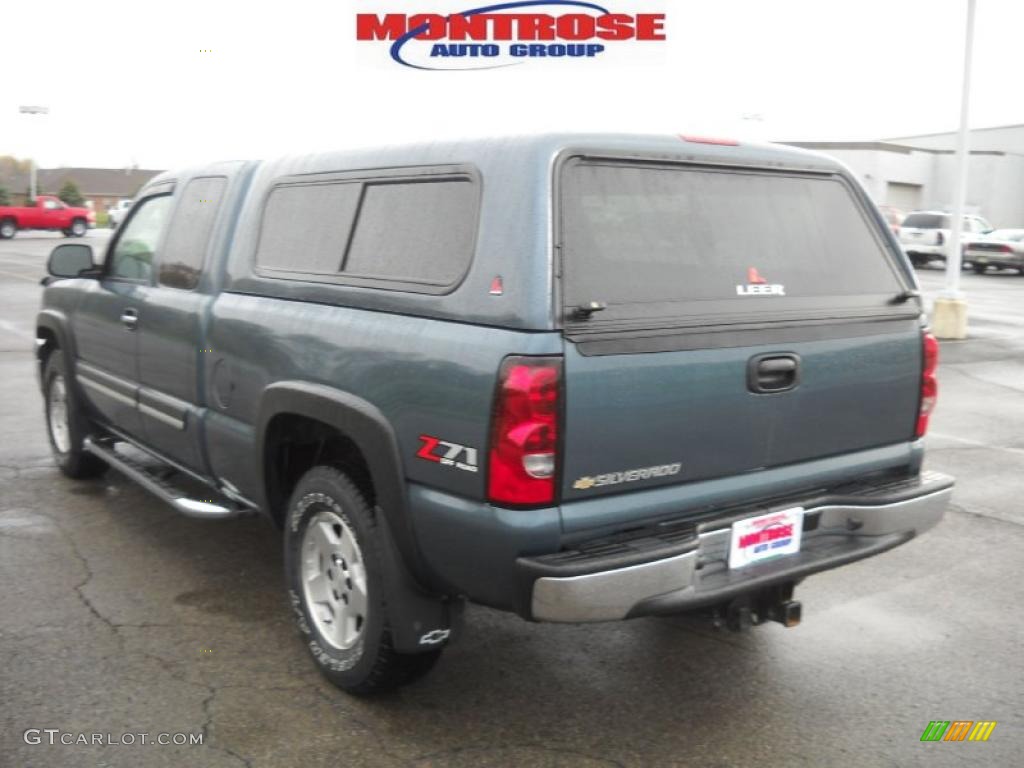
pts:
pixel 115 629
pixel 80 587
pixel 985 515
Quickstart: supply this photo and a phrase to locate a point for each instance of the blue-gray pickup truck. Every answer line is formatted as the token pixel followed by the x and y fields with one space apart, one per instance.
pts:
pixel 576 377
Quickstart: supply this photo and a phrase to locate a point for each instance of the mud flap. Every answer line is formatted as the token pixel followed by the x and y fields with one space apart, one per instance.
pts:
pixel 419 621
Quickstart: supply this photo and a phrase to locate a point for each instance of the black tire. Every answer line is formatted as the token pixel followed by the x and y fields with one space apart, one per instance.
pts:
pixel 979 269
pixel 370 665
pixel 8 227
pixel 67 453
pixel 78 228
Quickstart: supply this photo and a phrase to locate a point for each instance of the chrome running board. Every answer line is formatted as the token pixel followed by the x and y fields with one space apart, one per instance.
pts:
pixel 201 508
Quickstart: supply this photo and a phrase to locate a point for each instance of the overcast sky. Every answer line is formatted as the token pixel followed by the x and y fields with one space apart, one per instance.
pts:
pixel 126 83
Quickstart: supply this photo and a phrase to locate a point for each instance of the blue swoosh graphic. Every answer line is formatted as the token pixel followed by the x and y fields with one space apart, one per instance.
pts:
pixel 396 49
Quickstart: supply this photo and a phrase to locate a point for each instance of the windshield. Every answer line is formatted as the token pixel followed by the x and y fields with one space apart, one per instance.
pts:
pixel 926 221
pixel 733 240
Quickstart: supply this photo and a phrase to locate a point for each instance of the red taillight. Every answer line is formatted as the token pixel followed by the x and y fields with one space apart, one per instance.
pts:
pixel 524 432
pixel 929 386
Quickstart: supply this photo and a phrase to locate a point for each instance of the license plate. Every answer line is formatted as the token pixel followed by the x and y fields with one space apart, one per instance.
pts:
pixel 981 259
pixel 766 536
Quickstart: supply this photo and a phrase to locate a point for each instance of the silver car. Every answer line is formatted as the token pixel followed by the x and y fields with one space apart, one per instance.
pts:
pixel 1003 249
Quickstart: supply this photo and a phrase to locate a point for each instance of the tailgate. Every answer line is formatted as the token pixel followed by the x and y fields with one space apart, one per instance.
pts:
pixel 914 236
pixel 641 420
pixel 924 228
pixel 750 322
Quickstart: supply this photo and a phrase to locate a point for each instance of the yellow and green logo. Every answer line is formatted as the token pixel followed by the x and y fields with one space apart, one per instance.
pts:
pixel 958 730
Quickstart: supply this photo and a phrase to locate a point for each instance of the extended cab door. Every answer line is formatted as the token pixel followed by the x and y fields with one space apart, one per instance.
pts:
pixel 107 319
pixel 170 350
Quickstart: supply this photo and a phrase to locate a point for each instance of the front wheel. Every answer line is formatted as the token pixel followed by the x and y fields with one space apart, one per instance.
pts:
pixel 7 229
pixel 335 583
pixel 66 423
pixel 78 228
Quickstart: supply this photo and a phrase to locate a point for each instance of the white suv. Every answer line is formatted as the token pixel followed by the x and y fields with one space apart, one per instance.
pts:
pixel 924 235
pixel 117 213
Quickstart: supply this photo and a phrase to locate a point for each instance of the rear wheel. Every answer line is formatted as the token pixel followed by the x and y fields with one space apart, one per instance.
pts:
pixel 335 582
pixel 7 229
pixel 66 423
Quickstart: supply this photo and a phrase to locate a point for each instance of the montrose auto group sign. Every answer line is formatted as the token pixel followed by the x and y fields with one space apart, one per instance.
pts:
pixel 506 34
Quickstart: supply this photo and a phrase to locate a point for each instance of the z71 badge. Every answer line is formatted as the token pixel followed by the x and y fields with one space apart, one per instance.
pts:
pixel 447 454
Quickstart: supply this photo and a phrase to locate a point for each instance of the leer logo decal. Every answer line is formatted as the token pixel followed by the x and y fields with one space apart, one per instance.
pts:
pixel 758 286
pixel 447 454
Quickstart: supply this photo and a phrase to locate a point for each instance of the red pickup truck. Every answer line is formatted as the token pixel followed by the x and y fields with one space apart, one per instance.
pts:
pixel 49 212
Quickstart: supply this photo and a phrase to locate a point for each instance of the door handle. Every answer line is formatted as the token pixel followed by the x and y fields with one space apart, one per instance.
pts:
pixel 767 374
pixel 130 318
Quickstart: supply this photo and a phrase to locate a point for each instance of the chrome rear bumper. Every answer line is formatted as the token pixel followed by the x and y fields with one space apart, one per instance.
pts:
pixel 834 534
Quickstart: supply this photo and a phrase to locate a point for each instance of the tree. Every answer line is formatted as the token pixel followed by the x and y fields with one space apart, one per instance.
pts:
pixel 71 195
pixel 10 166
pixel 5 198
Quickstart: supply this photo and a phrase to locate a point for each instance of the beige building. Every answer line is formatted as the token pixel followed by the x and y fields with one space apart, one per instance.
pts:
pixel 917 172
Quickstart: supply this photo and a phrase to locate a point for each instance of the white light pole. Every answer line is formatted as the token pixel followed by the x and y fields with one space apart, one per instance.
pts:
pixel 950 319
pixel 31 161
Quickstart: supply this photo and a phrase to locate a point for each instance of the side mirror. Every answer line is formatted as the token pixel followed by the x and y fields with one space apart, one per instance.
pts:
pixel 71 260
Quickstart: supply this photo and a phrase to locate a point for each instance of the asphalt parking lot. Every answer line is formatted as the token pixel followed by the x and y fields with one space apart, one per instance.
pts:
pixel 118 616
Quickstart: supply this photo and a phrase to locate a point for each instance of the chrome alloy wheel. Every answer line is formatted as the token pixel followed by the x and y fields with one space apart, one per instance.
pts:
pixel 334 579
pixel 57 414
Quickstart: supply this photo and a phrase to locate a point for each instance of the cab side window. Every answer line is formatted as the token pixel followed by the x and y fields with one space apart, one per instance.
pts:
pixel 184 252
pixel 132 257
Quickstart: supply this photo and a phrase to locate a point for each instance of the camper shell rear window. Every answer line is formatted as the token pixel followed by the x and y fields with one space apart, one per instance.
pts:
pixel 667 240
